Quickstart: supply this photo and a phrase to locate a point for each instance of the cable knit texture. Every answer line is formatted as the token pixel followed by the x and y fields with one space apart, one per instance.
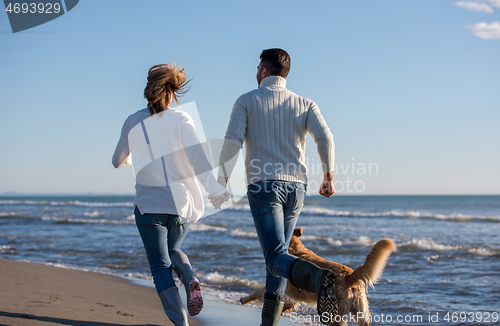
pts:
pixel 273 122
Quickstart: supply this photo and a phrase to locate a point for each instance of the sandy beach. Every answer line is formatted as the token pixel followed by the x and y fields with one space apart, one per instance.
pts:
pixel 37 294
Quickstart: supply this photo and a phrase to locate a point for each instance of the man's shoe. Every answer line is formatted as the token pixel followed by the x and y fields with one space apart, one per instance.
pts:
pixel 271 311
pixel 308 276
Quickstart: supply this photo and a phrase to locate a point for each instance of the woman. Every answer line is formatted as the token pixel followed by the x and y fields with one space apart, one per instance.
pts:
pixel 167 155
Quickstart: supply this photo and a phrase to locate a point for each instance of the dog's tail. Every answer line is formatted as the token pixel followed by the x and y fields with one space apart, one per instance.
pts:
pixel 369 273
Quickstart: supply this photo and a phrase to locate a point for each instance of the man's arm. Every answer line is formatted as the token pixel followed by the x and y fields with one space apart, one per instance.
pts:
pixel 327 188
pixel 233 141
pixel 319 130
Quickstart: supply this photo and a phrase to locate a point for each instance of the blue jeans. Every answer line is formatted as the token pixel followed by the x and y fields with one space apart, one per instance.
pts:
pixel 162 236
pixel 275 207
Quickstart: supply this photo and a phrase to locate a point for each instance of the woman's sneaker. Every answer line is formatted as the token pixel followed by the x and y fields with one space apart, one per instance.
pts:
pixel 195 303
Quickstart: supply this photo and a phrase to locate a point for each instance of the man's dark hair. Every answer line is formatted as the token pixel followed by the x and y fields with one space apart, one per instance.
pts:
pixel 277 61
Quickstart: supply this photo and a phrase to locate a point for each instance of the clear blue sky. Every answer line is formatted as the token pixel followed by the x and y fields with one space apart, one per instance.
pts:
pixel 413 86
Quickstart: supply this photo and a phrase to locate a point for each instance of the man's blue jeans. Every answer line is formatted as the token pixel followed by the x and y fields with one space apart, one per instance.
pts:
pixel 275 207
pixel 162 236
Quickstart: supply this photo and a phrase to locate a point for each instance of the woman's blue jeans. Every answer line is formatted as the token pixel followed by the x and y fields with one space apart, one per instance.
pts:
pixel 275 207
pixel 162 236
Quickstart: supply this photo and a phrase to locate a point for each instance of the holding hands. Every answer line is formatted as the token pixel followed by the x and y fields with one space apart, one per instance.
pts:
pixel 217 201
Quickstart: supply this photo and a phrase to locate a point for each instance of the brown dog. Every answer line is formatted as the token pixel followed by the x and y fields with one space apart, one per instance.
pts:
pixel 351 285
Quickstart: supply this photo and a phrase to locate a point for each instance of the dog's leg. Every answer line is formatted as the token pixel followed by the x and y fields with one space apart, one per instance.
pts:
pixel 290 305
pixel 256 296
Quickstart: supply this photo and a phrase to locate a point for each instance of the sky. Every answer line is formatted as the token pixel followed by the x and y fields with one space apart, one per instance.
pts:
pixel 408 88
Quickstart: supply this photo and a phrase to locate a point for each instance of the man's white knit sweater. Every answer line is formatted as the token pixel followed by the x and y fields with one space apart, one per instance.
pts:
pixel 273 122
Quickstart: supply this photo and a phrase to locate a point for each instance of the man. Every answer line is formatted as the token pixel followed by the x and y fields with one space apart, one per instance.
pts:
pixel 273 123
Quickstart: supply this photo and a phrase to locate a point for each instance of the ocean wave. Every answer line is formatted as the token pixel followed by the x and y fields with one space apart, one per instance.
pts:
pixel 142 276
pixel 7 250
pixel 324 211
pixel 481 252
pixel 97 204
pixel 237 233
pixel 239 207
pixel 484 252
pixel 243 234
pixel 97 213
pixel 432 258
pixel 94 214
pixel 64 203
pixel 424 244
pixel 10 214
pixel 310 237
pixel 307 210
pixel 213 284
pixel 362 241
pixel 216 279
pixel 336 243
pixel 321 211
pixel 69 220
pixel 417 245
pixel 200 227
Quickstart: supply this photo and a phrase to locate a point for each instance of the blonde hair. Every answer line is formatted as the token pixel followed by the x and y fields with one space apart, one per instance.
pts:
pixel 165 82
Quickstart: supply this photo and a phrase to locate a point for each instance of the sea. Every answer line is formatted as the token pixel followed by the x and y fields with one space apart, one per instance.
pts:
pixel 446 270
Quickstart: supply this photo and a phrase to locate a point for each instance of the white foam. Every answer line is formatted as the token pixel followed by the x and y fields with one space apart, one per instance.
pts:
pixel 142 276
pixel 200 227
pixel 484 252
pixel 93 214
pixel 429 245
pixel 122 204
pixel 239 207
pixel 322 211
pixel 85 221
pixel 7 249
pixel 432 258
pixel 219 279
pixel 11 202
pixel 310 237
pixel 65 203
pixel 333 242
pixel 362 241
pixel 243 234
pixel 9 214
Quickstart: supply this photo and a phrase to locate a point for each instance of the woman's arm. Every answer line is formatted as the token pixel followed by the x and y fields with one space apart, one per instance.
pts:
pixel 122 157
